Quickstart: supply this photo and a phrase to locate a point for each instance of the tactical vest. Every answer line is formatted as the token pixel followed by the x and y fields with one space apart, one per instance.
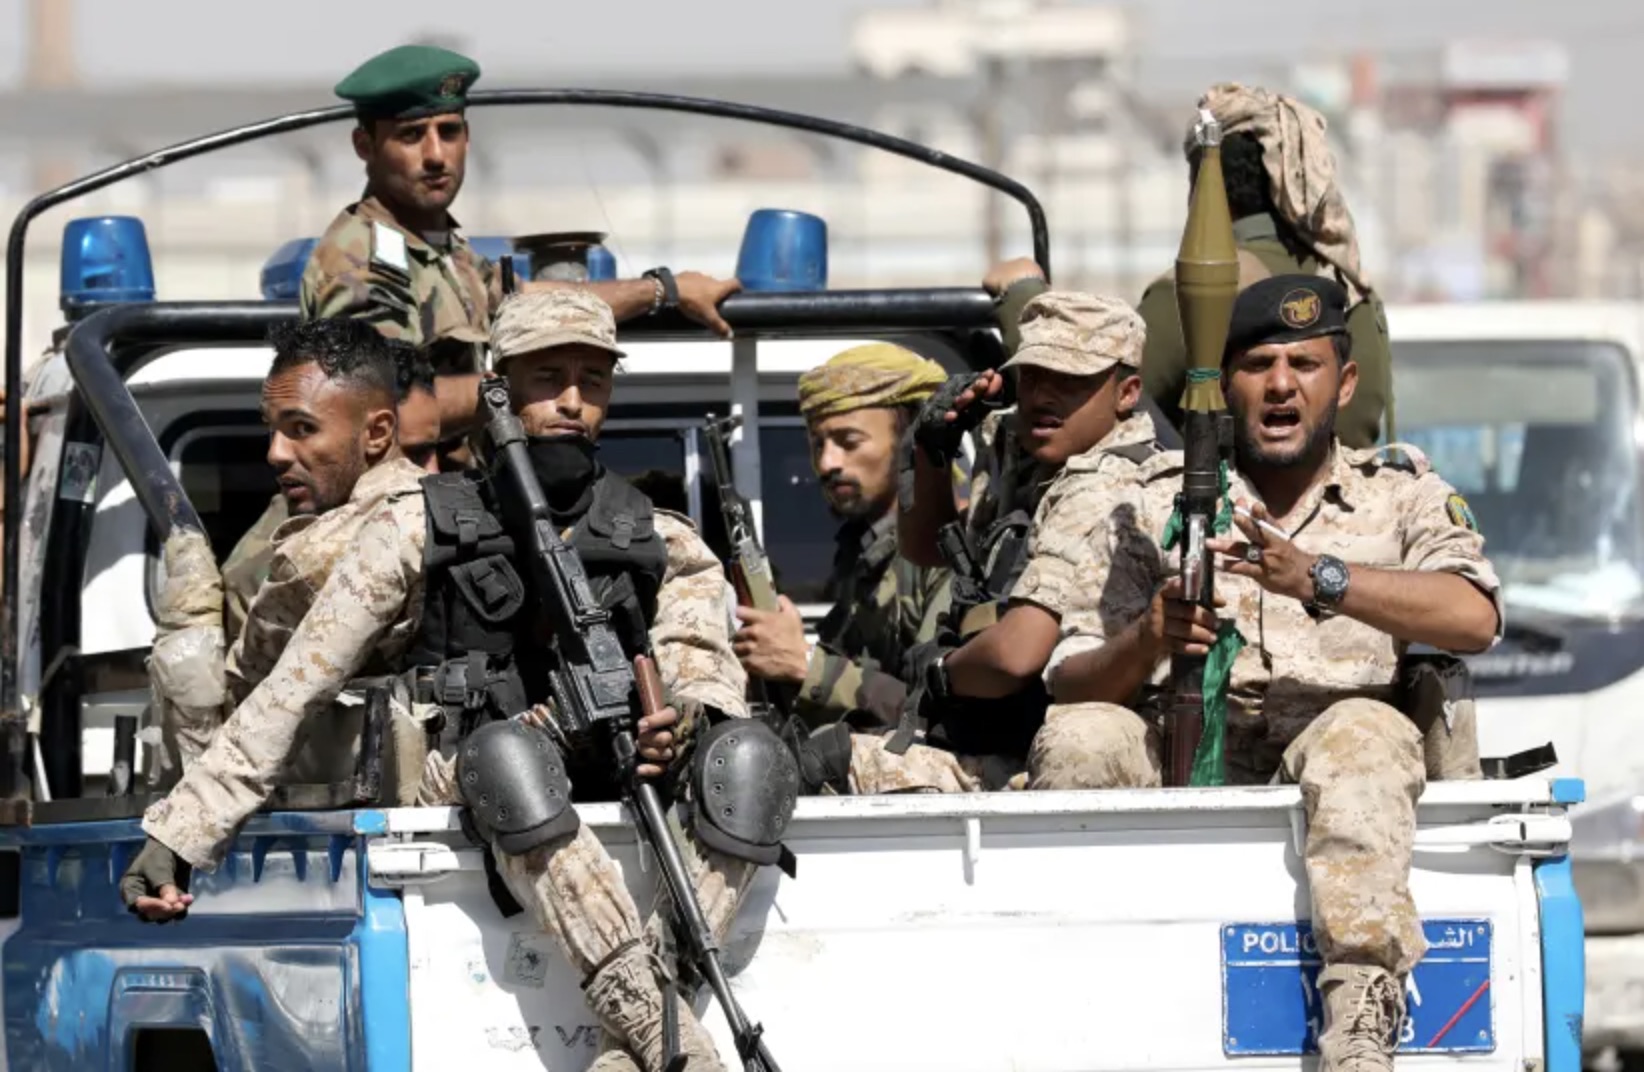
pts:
pixel 1004 726
pixel 477 608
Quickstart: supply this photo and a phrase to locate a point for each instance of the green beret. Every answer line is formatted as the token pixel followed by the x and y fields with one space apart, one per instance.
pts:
pixel 1287 308
pixel 410 82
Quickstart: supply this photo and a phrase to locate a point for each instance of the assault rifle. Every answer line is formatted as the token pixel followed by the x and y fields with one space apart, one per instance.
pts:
pixel 750 567
pixel 600 693
pixel 1207 284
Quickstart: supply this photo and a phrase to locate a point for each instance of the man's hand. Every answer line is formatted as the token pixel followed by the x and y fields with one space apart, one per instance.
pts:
pixel 1174 626
pixel 155 886
pixel 1265 555
pixel 699 298
pixel 656 742
pixel 1003 274
pixel 954 409
pixel 771 644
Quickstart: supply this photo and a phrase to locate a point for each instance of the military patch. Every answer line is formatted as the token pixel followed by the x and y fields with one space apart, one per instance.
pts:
pixel 451 86
pixel 1300 308
pixel 388 248
pixel 1460 513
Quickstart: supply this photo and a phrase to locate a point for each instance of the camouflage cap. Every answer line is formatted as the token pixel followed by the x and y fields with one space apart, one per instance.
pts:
pixel 410 82
pixel 1079 334
pixel 878 374
pixel 533 320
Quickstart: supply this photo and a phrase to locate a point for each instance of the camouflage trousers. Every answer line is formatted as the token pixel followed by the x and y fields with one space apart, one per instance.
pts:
pixel 922 769
pixel 1361 768
pixel 575 891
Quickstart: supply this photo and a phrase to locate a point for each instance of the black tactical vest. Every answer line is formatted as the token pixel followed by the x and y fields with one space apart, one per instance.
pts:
pixel 477 606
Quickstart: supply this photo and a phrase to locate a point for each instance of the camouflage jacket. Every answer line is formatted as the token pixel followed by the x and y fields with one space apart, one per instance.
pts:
pixel 883 606
pixel 246 567
pixel 367 266
pixel 1385 509
pixel 344 597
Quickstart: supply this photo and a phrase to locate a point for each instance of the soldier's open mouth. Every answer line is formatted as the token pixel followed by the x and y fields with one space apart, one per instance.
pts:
pixel 1281 418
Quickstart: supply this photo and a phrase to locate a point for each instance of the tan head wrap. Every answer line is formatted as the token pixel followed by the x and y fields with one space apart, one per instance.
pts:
pixel 877 374
pixel 1299 165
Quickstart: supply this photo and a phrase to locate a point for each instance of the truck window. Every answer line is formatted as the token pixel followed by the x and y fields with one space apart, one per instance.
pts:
pixel 224 469
pixel 799 529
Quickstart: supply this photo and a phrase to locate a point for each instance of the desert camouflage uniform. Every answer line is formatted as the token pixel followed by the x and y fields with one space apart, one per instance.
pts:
pixel 246 567
pixel 367 266
pixel 344 596
pixel 1308 702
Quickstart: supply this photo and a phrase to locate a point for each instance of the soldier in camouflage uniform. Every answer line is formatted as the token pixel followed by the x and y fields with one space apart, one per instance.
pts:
pixel 857 406
pixel 346 594
pixel 1369 552
pixel 202 612
pixel 1076 361
pixel 396 257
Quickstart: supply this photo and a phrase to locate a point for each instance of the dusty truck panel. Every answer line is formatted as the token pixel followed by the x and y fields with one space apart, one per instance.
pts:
pixel 1005 931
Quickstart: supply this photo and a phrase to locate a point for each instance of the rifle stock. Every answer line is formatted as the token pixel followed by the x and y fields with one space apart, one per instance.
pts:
pixel 596 689
pixel 1207 284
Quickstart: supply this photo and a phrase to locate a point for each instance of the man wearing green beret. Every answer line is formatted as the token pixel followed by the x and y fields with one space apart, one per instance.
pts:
pixel 396 257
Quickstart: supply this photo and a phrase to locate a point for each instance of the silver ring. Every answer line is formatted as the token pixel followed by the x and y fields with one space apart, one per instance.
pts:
pixel 1252 554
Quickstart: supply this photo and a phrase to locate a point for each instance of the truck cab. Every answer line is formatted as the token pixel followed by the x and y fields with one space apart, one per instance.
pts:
pixel 1037 931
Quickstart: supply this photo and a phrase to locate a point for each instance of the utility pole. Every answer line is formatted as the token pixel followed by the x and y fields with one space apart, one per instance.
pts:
pixel 50 67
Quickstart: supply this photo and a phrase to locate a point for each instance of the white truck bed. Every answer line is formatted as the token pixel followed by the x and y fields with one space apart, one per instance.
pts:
pixel 1042 931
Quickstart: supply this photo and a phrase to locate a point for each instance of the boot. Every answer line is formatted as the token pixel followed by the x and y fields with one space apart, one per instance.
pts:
pixel 625 992
pixel 1363 1015
pixel 612 1057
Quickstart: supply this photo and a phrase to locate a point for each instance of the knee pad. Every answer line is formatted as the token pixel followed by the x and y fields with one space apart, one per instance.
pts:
pixel 744 785
pixel 512 778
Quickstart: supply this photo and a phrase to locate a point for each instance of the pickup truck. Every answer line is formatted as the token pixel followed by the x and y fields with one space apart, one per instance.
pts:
pixel 1045 931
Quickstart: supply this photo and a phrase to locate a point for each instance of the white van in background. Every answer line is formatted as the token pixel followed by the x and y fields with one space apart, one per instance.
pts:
pixel 1532 411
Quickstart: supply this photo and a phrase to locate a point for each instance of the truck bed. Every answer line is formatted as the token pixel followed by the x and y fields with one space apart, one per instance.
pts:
pixel 1026 931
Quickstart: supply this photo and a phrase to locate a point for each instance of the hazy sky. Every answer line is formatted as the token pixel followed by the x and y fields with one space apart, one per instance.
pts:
pixel 1183 43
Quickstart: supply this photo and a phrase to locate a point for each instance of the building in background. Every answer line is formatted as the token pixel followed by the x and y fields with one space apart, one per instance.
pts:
pixel 1451 161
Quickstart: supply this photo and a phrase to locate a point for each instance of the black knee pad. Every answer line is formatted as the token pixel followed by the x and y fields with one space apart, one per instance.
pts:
pixel 512 777
pixel 744 785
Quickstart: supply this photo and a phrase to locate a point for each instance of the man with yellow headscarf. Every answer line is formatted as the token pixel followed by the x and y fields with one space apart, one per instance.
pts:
pixel 1289 218
pixel 856 406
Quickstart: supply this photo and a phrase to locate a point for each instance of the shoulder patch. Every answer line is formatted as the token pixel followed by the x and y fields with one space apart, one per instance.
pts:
pixel 1460 513
pixel 388 248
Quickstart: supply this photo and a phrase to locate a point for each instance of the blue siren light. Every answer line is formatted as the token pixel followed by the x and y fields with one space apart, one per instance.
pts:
pixel 601 264
pixel 783 250
pixel 105 259
pixel 282 278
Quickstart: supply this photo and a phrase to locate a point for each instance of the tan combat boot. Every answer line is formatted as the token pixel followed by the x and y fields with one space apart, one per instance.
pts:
pixel 625 993
pixel 1363 1014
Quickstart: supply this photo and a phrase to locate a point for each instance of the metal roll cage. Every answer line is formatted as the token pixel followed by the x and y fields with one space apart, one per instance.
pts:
pixel 100 382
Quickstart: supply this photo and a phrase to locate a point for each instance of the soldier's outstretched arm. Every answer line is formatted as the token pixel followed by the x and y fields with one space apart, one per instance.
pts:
pixel 365 594
pixel 699 297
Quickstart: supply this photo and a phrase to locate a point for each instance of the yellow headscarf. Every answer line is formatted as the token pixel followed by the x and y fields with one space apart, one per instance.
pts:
pixel 877 374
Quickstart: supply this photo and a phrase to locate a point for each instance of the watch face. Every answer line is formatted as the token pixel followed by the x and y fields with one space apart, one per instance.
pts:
pixel 1330 578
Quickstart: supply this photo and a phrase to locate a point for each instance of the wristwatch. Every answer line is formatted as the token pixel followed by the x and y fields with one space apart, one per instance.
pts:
pixel 1330 577
pixel 937 685
pixel 667 290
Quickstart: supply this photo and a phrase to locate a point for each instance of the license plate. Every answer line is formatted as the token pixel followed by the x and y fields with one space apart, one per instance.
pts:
pixel 1271 1003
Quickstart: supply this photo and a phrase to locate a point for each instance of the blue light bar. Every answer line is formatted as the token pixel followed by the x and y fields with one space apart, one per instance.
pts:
pixel 783 250
pixel 282 278
pixel 105 259
pixel 601 264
